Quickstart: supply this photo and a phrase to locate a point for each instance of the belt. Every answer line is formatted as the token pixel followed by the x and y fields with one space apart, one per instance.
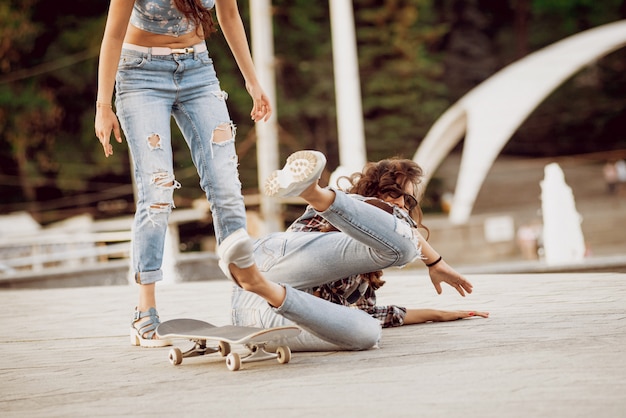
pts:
pixel 160 50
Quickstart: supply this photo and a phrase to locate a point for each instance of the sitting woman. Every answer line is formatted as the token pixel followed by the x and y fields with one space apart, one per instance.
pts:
pixel 337 250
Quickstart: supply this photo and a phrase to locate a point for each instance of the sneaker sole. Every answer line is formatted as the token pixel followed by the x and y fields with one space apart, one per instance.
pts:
pixel 301 170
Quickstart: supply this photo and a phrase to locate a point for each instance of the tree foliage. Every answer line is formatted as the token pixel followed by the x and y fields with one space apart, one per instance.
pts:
pixel 416 58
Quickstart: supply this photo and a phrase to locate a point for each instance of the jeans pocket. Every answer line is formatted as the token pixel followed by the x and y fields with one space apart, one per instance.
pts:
pixel 129 62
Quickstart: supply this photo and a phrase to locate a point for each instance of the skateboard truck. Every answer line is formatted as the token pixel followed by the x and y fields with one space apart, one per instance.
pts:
pixel 234 361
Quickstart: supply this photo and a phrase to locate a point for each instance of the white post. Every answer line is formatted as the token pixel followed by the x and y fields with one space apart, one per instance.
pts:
pixel 262 40
pixel 352 153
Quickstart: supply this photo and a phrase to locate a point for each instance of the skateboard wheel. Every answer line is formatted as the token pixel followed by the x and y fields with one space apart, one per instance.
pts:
pixel 176 356
pixel 283 354
pixel 233 362
pixel 224 348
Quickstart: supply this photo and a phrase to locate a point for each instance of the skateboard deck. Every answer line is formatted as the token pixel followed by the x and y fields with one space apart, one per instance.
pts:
pixel 253 339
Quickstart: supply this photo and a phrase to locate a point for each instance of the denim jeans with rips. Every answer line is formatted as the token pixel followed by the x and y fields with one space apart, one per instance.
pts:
pixel 150 90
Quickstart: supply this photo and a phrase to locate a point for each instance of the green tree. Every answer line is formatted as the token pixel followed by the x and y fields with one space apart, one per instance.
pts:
pixel 46 90
pixel 399 75
pixel 403 89
pixel 27 114
pixel 416 57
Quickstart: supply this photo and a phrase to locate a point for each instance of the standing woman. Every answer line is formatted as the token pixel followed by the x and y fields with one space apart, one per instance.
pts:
pixel 154 54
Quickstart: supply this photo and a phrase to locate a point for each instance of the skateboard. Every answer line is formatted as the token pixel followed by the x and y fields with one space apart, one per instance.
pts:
pixel 252 338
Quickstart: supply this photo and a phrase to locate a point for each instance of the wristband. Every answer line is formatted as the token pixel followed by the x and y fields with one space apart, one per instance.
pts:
pixel 435 262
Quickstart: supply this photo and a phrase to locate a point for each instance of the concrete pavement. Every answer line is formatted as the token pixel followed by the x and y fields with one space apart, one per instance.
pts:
pixel 554 346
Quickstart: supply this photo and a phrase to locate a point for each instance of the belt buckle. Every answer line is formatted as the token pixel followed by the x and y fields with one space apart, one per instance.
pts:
pixel 182 51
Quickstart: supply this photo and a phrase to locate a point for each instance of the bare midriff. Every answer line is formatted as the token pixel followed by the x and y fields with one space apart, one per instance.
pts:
pixel 140 37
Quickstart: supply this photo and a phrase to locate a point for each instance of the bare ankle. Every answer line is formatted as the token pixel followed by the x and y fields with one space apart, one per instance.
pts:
pixel 319 198
pixel 251 280
pixel 248 278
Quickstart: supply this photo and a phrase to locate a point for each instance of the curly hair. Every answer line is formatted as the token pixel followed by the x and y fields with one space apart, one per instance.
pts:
pixel 199 15
pixel 387 174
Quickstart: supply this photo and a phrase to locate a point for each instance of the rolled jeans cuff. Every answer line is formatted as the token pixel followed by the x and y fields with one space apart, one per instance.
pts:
pixel 148 277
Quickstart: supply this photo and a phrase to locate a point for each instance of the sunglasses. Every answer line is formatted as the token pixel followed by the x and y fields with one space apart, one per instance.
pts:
pixel 410 202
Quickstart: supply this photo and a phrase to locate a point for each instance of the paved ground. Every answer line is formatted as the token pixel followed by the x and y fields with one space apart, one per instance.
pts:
pixel 553 347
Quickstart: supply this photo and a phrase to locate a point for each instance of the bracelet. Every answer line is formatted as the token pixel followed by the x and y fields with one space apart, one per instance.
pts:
pixel 435 262
pixel 104 104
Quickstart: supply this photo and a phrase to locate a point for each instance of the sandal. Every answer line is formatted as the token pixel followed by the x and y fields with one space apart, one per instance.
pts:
pixel 303 168
pixel 146 328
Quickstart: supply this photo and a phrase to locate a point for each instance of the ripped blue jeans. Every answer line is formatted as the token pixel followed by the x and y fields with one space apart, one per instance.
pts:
pixel 150 89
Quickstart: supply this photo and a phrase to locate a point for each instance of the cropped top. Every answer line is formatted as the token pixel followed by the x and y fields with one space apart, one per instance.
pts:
pixel 162 17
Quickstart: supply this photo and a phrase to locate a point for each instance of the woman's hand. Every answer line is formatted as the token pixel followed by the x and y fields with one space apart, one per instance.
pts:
pixel 442 272
pixel 261 107
pixel 106 122
pixel 454 315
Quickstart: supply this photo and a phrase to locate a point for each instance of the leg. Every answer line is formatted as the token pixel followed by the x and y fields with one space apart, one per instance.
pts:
pixel 360 220
pixel 370 239
pixel 151 151
pixel 327 326
pixel 250 310
pixel 307 259
pixel 147 297
pixel 350 328
pixel 145 118
pixel 203 118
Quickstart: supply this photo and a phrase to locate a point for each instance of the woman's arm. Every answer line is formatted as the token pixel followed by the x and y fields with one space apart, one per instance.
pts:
pixel 439 271
pixel 419 316
pixel 230 22
pixel 110 51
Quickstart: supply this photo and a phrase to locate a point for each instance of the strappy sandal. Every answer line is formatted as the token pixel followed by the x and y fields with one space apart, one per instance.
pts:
pixel 146 328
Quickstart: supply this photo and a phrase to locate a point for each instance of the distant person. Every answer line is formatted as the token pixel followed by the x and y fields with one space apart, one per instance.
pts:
pixel 610 176
pixel 337 250
pixel 528 242
pixel 620 167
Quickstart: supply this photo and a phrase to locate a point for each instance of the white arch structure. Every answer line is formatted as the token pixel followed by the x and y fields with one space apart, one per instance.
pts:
pixel 490 113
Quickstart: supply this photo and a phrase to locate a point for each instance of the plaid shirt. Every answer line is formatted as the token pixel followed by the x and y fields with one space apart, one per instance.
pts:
pixel 353 291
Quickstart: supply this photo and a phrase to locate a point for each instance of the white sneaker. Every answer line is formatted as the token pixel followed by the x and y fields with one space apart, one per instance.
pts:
pixel 303 168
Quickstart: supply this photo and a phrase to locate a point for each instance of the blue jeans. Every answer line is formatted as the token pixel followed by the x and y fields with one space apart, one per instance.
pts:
pixel 150 90
pixel 370 239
